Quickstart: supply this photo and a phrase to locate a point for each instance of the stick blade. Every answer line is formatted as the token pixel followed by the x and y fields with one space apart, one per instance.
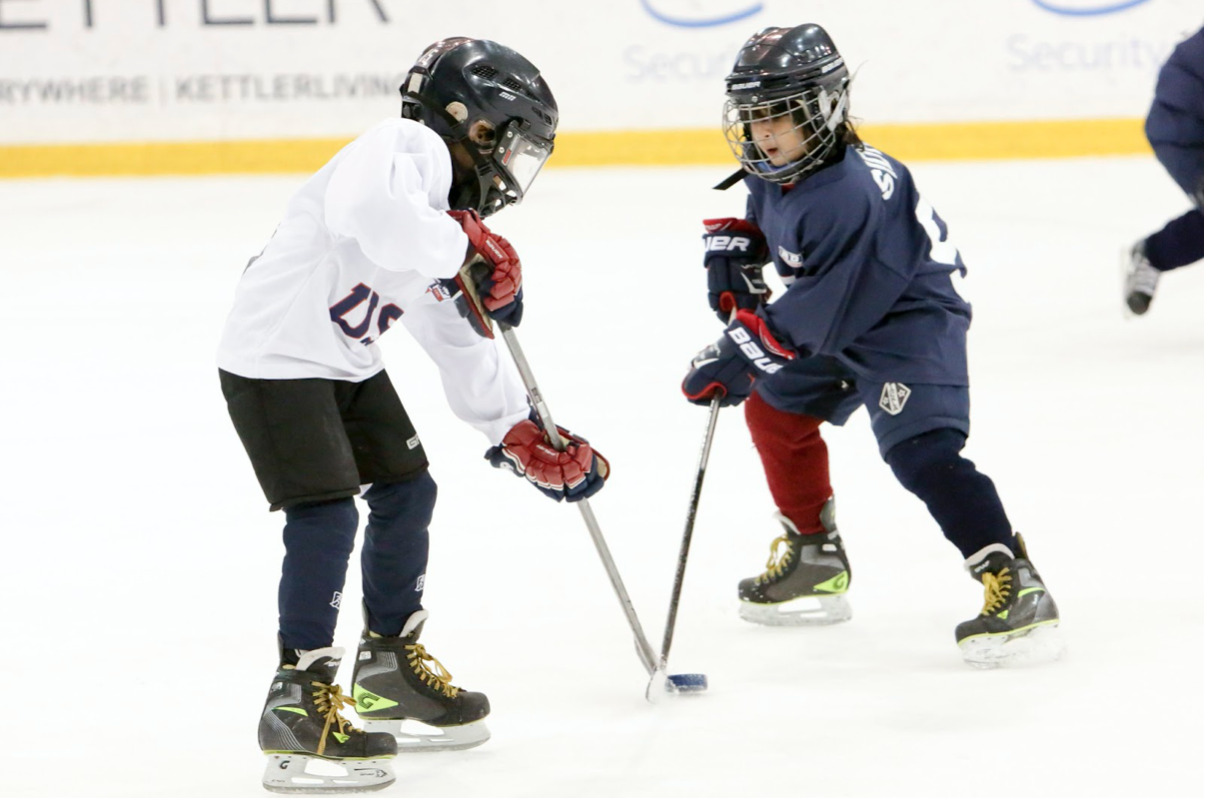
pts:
pixel 659 684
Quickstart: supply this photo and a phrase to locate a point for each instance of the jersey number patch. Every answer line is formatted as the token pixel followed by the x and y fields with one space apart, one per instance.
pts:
pixel 385 316
pixel 941 248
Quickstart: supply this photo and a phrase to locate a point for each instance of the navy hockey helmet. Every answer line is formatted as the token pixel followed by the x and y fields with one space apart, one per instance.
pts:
pixel 794 82
pixel 491 100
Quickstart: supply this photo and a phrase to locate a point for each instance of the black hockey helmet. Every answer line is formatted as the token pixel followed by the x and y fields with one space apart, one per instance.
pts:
pixel 795 73
pixel 491 100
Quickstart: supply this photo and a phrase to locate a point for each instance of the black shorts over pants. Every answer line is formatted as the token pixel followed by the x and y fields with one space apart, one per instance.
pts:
pixel 316 439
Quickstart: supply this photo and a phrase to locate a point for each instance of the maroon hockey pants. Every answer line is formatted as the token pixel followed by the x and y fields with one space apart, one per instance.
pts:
pixel 795 459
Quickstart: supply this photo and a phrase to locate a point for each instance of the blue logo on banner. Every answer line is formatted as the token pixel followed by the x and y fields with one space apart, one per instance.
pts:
pixel 1089 8
pixel 709 22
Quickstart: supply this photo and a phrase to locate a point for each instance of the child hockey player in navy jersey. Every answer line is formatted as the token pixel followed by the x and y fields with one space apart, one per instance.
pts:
pixel 870 317
pixel 389 232
pixel 1174 129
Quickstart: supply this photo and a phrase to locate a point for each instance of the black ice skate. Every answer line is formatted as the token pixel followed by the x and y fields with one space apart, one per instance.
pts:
pixel 310 747
pixel 1019 622
pixel 1140 279
pixel 401 689
pixel 805 584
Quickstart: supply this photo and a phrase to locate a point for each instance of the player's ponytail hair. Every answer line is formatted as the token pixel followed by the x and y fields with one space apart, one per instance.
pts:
pixel 848 135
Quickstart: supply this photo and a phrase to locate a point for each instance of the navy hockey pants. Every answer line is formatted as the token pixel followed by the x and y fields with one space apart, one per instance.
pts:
pixel 963 501
pixel 319 538
pixel 1179 243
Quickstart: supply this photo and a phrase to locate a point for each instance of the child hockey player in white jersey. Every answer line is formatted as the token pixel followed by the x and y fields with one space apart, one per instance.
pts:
pixel 870 317
pixel 389 231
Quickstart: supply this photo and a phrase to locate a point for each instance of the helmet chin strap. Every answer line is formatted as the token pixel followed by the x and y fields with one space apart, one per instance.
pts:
pixel 472 194
pixel 731 180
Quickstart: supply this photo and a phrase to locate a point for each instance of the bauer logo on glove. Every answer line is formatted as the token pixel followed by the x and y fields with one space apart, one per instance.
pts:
pixel 728 368
pixel 741 336
pixel 734 253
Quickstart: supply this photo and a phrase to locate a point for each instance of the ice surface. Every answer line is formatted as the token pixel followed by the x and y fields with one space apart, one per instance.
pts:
pixel 140 560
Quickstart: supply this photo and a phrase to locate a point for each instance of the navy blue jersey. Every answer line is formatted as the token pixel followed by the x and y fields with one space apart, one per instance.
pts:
pixel 1176 113
pixel 869 271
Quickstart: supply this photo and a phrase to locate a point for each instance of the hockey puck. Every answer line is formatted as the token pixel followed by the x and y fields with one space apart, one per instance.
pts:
pixel 661 684
pixel 686 683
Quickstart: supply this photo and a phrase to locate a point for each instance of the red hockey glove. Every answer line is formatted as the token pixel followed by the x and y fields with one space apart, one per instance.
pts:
pixel 491 279
pixel 747 350
pixel 734 253
pixel 573 474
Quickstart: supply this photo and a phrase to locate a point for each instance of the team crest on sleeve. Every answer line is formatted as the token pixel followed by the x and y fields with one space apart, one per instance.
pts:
pixel 893 398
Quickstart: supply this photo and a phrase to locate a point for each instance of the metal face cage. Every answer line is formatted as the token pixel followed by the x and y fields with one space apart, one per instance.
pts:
pixel 800 131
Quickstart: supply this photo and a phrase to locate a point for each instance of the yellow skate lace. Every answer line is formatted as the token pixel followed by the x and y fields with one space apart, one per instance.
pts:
pixel 329 700
pixel 997 588
pixel 777 561
pixel 438 679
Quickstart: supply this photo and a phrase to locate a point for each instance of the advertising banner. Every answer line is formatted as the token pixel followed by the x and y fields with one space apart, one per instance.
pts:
pixel 97 71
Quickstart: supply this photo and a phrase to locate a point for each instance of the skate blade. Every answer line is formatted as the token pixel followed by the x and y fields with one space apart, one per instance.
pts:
pixel 300 773
pixel 1034 646
pixel 803 611
pixel 413 735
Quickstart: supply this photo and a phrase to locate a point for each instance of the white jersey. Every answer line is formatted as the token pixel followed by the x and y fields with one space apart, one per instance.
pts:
pixel 361 246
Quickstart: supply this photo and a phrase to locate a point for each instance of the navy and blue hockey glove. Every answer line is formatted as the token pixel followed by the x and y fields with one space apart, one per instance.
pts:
pixel 747 350
pixel 734 253
pixel 574 474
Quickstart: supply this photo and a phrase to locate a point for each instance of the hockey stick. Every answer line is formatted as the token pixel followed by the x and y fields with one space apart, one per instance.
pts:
pixel 644 650
pixel 693 682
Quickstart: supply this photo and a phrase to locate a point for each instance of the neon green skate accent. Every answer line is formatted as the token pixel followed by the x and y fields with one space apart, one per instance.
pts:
pixel 282 752
pixel 1012 632
pixel 369 702
pixel 1003 614
pixel 1031 590
pixel 343 738
pixel 294 710
pixel 837 584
